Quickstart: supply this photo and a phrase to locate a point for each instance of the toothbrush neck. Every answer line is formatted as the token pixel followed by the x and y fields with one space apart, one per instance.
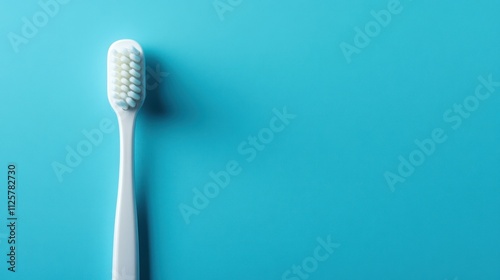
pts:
pixel 126 123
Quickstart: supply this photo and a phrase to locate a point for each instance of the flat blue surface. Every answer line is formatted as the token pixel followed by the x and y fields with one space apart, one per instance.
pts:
pixel 345 169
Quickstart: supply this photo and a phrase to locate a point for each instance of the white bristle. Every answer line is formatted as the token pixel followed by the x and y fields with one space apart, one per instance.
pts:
pixel 126 64
pixel 125 59
pixel 122 104
pixel 125 74
pixel 135 66
pixel 135 81
pixel 135 88
pixel 134 51
pixel 134 95
pixel 134 73
pixel 135 58
pixel 130 102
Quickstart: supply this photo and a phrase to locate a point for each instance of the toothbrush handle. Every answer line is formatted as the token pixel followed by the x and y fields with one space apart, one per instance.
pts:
pixel 125 248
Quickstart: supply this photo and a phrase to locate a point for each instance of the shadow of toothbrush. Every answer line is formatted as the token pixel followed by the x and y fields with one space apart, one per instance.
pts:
pixel 154 107
pixel 169 102
pixel 143 231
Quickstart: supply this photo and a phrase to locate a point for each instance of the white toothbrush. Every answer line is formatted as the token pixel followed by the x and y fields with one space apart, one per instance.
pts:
pixel 126 94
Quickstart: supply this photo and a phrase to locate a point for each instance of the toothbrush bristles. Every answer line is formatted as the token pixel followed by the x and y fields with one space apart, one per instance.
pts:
pixel 127 72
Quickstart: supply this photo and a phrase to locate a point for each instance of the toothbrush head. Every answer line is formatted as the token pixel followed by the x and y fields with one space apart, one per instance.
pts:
pixel 126 76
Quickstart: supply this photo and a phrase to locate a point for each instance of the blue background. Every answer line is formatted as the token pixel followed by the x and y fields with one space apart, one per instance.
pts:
pixel 321 176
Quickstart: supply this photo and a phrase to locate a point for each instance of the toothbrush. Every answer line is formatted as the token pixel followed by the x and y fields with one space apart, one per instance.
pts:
pixel 126 94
